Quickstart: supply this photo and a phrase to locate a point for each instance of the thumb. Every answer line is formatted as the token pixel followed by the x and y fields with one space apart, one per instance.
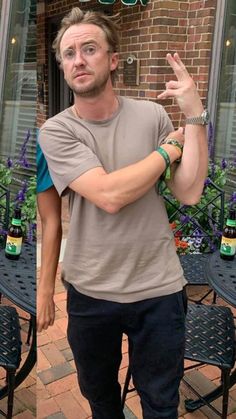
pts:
pixel 180 130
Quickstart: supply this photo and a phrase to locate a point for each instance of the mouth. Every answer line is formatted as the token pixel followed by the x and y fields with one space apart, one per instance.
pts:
pixel 77 76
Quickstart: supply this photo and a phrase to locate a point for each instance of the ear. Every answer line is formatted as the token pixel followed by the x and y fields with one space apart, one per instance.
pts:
pixel 114 61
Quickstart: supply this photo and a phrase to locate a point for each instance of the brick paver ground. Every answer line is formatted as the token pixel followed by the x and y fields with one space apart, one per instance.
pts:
pixel 58 395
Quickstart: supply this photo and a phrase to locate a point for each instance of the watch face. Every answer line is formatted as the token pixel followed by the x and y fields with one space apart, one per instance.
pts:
pixel 206 116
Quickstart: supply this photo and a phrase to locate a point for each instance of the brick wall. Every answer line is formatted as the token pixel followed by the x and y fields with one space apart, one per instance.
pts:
pixel 150 32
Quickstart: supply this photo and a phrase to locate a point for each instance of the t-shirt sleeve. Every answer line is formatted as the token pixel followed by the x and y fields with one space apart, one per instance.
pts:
pixel 44 180
pixel 67 156
pixel 165 125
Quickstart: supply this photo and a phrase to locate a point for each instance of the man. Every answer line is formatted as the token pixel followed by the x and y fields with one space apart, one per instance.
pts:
pixel 120 265
pixel 49 206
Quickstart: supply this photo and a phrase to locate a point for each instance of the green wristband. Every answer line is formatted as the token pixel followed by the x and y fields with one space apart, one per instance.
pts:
pixel 166 157
pixel 176 143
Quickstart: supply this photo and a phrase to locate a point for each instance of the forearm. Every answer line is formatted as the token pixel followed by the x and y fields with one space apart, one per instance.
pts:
pixel 50 251
pixel 113 191
pixel 188 179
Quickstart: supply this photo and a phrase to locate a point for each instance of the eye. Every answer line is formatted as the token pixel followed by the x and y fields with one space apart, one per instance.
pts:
pixel 89 49
pixel 68 54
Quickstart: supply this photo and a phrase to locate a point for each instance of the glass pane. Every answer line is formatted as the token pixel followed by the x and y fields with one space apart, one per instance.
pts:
pixel 18 107
pixel 226 109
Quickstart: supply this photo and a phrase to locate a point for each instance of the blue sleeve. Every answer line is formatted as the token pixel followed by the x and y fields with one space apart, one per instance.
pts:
pixel 44 180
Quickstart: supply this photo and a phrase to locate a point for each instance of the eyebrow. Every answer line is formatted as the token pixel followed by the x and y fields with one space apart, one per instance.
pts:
pixel 91 41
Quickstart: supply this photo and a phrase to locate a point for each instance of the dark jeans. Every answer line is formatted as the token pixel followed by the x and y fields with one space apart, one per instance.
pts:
pixel 155 330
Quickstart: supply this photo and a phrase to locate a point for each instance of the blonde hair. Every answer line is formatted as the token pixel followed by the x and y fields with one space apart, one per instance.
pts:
pixel 109 25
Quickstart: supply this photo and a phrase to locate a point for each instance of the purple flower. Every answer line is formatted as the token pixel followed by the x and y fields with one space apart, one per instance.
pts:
pixel 9 162
pixel 210 140
pixel 24 186
pixel 22 158
pixel 207 181
pixel 213 169
pixel 233 197
pixel 224 164
pixel 184 219
pixel 20 197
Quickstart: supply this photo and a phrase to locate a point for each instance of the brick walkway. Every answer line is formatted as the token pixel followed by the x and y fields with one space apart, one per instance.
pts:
pixel 58 395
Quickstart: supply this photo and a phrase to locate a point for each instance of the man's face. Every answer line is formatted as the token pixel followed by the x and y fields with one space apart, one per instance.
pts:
pixel 86 59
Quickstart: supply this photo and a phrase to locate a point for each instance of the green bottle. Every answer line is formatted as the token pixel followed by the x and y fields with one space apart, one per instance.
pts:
pixel 14 237
pixel 228 240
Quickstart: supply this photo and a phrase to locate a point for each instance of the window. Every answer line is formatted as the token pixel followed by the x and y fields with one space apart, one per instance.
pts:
pixel 225 125
pixel 18 76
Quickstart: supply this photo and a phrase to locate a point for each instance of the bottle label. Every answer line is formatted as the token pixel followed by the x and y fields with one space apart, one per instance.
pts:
pixel 231 223
pixel 228 246
pixel 13 245
pixel 16 222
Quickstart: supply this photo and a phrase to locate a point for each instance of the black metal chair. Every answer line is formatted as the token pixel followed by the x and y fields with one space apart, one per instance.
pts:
pixel 197 226
pixel 210 339
pixel 10 351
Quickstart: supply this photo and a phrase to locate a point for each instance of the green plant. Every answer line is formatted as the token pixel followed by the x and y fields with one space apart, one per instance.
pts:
pixel 25 197
pixel 197 228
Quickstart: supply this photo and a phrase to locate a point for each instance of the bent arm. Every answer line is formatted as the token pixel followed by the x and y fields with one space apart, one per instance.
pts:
pixel 188 178
pixel 113 191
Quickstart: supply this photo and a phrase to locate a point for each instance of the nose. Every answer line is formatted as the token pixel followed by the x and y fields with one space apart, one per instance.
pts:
pixel 79 59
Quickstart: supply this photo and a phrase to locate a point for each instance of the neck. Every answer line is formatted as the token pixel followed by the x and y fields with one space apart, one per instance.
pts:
pixel 98 108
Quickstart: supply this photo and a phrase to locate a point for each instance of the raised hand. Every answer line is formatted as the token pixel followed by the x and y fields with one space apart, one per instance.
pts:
pixel 184 89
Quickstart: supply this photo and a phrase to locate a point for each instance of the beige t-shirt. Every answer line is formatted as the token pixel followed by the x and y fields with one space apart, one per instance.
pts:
pixel 123 257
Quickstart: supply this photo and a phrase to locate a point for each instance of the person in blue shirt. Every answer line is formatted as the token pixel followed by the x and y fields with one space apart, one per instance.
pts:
pixel 49 207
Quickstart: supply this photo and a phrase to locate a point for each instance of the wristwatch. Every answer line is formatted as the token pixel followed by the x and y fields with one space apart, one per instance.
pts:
pixel 203 119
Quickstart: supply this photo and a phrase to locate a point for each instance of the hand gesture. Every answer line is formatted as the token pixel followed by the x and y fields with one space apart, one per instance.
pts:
pixel 184 89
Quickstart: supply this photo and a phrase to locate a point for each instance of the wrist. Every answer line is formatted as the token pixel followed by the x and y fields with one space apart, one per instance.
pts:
pixel 173 151
pixel 195 111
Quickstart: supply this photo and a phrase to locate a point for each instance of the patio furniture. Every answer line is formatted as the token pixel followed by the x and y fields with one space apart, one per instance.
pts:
pixel 10 351
pixel 221 275
pixel 209 340
pixel 18 284
pixel 201 224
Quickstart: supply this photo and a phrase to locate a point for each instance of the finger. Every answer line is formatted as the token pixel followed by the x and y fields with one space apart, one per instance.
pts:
pixel 172 84
pixel 177 66
pixel 167 93
pixel 181 130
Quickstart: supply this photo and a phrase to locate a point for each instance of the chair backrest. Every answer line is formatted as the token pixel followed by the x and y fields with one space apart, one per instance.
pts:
pixel 4 208
pixel 197 228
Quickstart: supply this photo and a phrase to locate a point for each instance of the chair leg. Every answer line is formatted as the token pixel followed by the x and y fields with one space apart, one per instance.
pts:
pixel 225 385
pixel 29 332
pixel 126 387
pixel 11 385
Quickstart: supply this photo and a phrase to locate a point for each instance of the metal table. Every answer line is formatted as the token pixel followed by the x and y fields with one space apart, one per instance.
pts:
pixel 18 284
pixel 221 276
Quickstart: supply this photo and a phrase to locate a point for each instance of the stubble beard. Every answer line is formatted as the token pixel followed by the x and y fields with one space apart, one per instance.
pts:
pixel 92 90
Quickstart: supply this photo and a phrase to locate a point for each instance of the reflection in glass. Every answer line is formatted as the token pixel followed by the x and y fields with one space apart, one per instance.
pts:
pixel 226 110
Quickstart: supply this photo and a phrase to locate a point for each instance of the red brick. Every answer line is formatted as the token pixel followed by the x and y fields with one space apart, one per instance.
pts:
pixel 42 361
pixel 46 408
pixel 52 354
pixel 62 385
pixel 69 406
